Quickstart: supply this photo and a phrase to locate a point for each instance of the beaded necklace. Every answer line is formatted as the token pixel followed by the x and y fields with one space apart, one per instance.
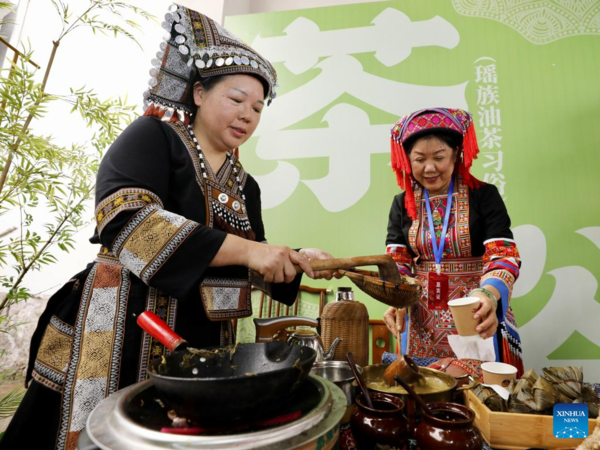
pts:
pixel 230 213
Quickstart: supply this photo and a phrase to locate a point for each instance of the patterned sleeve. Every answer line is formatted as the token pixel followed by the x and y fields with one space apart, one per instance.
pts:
pixel 164 249
pixel 501 258
pixel 396 244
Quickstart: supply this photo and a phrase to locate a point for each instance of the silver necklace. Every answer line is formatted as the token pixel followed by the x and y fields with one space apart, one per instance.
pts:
pixel 218 204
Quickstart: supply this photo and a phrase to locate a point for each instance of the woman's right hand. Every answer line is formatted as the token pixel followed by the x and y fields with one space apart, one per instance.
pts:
pixel 395 320
pixel 276 263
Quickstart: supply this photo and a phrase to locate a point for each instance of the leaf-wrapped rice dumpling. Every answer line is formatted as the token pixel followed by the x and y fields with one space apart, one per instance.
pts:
pixel 490 398
pixel 521 399
pixel 520 404
pixel 538 395
pixel 590 398
pixel 530 376
pixel 546 395
pixel 567 380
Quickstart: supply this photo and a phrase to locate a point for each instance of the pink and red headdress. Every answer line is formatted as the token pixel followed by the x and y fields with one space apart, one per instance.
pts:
pixel 425 121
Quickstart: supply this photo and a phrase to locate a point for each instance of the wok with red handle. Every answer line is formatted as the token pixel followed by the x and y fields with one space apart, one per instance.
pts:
pixel 226 384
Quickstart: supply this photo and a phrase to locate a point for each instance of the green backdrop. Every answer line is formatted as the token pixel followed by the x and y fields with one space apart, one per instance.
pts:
pixel 527 71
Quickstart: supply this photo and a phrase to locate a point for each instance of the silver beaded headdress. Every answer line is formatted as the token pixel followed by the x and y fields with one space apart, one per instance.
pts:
pixel 192 42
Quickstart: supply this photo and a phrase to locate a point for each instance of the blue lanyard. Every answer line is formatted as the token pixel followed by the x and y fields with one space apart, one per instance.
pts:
pixel 438 250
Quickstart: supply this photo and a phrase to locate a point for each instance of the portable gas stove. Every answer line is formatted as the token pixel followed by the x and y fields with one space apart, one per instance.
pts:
pixel 134 417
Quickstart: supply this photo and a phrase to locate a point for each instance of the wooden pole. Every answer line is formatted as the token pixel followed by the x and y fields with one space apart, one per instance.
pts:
pixel 17 52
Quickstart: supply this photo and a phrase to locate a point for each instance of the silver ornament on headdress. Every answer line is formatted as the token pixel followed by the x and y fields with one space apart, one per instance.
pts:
pixel 202 46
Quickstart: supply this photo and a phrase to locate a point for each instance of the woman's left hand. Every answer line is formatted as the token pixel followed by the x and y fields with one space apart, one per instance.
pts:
pixel 487 313
pixel 314 254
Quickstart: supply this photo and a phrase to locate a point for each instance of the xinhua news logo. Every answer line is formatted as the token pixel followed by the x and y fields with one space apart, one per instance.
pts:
pixel 570 420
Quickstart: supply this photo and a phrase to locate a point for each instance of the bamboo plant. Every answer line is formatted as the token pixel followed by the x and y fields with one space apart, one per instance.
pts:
pixel 36 173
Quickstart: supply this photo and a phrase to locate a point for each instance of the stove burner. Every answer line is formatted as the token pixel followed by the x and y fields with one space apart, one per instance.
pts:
pixel 183 426
pixel 148 410
pixel 111 425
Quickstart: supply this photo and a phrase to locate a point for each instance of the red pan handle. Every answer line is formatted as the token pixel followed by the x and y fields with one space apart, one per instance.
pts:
pixel 159 330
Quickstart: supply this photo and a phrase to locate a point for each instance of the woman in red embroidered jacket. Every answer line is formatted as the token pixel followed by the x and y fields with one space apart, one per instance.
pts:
pixel 180 225
pixel 466 249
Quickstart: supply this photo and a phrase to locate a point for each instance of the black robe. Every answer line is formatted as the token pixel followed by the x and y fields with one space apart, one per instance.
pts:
pixel 488 218
pixel 152 217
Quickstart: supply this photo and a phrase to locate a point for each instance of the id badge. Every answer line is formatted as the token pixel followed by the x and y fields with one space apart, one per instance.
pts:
pixel 438 291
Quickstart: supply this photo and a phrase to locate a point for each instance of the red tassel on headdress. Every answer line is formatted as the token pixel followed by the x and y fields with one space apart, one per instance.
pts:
pixel 470 151
pixel 150 110
pixel 395 149
pixel 409 200
pixel 400 163
pixel 401 166
pixel 158 112
pixel 155 111
pixel 236 152
pixel 470 147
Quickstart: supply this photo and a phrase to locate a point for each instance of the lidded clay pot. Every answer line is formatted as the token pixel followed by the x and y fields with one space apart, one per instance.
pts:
pixel 450 427
pixel 382 425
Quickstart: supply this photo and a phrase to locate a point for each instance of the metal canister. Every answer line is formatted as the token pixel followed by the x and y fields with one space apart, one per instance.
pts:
pixel 340 374
pixel 348 319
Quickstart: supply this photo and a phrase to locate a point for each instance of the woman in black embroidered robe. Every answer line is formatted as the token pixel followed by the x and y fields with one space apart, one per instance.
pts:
pixel 179 221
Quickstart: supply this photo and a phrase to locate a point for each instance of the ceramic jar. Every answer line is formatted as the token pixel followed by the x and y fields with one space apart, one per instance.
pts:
pixel 450 427
pixel 382 425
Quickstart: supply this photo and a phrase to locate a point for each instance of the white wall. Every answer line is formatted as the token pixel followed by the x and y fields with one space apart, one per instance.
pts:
pixel 113 67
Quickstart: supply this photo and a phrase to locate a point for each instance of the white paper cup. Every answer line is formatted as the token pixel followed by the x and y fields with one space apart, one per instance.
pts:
pixel 498 373
pixel 462 310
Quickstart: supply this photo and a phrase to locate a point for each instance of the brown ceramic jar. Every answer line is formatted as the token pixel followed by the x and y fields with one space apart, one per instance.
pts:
pixel 450 427
pixel 382 425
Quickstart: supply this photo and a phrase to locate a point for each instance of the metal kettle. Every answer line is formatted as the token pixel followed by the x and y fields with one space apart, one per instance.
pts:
pixel 274 329
pixel 310 338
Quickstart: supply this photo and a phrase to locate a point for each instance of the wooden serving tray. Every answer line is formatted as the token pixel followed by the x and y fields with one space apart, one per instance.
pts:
pixel 511 431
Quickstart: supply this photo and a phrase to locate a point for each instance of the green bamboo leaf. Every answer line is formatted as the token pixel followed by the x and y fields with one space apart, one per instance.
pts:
pixel 59 177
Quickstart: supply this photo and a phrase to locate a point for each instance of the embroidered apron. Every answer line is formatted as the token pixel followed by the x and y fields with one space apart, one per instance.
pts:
pixel 429 328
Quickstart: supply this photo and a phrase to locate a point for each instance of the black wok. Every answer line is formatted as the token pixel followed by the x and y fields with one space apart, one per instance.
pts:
pixel 231 384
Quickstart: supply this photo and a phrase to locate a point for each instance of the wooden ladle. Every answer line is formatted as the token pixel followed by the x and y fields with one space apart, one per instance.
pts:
pixel 385 285
pixel 359 381
pixel 405 368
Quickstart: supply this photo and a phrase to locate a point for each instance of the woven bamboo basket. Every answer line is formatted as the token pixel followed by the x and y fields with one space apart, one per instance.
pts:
pixel 349 320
